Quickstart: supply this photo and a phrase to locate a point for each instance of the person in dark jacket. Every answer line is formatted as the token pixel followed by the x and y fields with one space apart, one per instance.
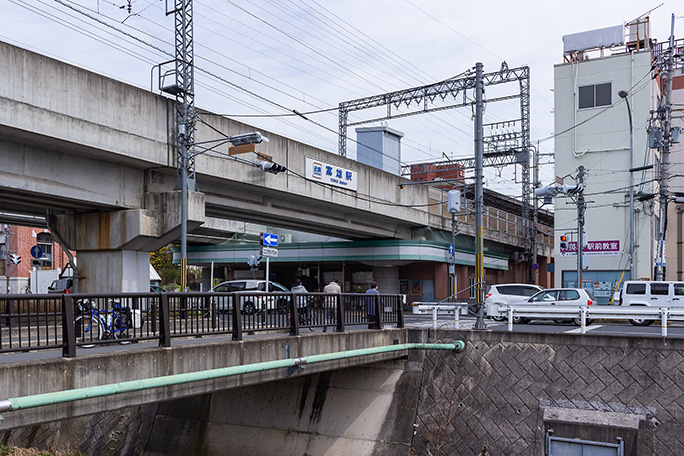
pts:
pixel 371 305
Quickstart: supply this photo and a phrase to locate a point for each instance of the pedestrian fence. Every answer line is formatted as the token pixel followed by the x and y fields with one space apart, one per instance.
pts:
pixel 589 313
pixel 67 321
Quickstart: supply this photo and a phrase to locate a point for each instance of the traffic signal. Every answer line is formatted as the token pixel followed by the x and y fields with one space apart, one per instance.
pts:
pixel 271 167
pixel 14 258
pixel 563 242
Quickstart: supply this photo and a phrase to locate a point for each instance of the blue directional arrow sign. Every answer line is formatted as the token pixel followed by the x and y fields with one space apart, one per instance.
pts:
pixel 36 251
pixel 451 249
pixel 269 239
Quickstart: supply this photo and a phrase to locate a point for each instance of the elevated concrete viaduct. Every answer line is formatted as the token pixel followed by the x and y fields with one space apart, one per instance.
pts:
pixel 98 154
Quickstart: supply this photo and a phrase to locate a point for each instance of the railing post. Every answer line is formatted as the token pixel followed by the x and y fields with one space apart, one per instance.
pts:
pixel 400 315
pixel 663 322
pixel 68 328
pixel 583 320
pixel 237 317
pixel 164 321
pixel 434 317
pixel 378 314
pixel 152 303
pixel 457 317
pixel 510 319
pixel 339 311
pixel 294 316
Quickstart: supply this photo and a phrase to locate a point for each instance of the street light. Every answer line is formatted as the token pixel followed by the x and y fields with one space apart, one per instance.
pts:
pixel 623 94
pixel 237 140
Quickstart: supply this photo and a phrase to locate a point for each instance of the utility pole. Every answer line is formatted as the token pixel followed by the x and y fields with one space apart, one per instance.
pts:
pixel 479 198
pixel 581 206
pixel 184 91
pixel 623 94
pixel 534 273
pixel 665 113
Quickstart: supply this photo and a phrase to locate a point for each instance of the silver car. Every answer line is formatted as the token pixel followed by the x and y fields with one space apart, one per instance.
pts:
pixel 251 304
pixel 574 297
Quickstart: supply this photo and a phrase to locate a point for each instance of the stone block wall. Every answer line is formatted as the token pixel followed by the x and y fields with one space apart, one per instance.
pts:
pixel 506 390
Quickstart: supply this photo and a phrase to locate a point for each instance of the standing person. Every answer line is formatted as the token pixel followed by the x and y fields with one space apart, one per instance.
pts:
pixel 333 287
pixel 331 301
pixel 371 307
pixel 302 305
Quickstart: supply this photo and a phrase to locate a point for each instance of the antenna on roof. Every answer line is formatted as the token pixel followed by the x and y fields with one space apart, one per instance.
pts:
pixel 646 13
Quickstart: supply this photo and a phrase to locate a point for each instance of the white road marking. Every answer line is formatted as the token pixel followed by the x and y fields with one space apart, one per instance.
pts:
pixel 579 330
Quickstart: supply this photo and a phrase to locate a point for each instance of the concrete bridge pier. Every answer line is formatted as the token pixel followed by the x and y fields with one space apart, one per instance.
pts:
pixel 113 248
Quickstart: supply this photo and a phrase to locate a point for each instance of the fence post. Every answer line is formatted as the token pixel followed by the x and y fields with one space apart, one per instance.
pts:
pixel 339 311
pixel 164 321
pixel 457 317
pixel 378 314
pixel 434 317
pixel 510 319
pixel 663 322
pixel 294 316
pixel 400 315
pixel 583 320
pixel 68 328
pixel 237 317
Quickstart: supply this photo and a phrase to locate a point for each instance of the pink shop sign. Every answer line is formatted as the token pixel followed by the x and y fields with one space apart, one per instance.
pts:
pixel 593 248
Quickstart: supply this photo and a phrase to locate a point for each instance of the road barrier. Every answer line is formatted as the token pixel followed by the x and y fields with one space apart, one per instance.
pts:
pixel 456 308
pixel 67 321
pixel 582 314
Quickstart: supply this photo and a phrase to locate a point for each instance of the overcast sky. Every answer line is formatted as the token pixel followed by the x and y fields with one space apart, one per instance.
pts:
pixel 269 57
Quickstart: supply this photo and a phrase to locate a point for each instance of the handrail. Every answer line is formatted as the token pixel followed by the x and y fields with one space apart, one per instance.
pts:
pixel 49 321
pixel 39 400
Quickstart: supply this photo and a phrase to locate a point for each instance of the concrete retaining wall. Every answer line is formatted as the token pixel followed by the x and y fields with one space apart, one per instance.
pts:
pixel 506 389
pixel 362 410
pixel 502 393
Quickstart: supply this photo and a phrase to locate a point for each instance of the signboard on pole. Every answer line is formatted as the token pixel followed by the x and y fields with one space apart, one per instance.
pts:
pixel 269 252
pixel 269 239
pixel 36 251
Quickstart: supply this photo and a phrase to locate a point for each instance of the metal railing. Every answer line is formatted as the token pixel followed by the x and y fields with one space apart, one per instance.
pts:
pixel 67 321
pixel 584 314
pixel 494 220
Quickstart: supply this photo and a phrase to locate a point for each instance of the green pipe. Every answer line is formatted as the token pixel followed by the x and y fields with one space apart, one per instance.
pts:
pixel 39 400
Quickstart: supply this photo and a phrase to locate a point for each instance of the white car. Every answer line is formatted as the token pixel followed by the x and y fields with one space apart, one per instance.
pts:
pixel 647 293
pixel 573 297
pixel 504 294
pixel 252 304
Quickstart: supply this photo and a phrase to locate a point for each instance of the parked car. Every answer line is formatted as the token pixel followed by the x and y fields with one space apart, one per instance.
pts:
pixel 650 293
pixel 574 297
pixel 251 304
pixel 504 294
pixel 65 285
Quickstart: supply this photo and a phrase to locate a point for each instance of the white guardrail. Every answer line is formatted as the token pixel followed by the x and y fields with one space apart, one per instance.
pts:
pixel 442 308
pixel 604 312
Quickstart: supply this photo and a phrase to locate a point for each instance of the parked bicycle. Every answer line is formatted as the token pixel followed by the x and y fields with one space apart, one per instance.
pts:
pixel 94 324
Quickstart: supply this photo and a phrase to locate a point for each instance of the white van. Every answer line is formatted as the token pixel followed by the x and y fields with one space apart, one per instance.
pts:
pixel 651 293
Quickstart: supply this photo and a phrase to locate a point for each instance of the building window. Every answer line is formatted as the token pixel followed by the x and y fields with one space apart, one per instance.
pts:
pixel 596 95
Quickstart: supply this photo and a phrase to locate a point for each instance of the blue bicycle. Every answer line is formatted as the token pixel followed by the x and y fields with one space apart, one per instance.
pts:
pixel 94 324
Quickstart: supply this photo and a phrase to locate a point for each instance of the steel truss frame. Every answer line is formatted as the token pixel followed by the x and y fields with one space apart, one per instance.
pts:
pixel 502 148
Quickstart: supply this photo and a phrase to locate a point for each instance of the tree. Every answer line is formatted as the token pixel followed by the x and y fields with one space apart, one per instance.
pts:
pixel 162 261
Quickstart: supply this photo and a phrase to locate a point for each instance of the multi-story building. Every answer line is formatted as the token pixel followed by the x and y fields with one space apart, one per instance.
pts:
pixel 40 259
pixel 605 92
